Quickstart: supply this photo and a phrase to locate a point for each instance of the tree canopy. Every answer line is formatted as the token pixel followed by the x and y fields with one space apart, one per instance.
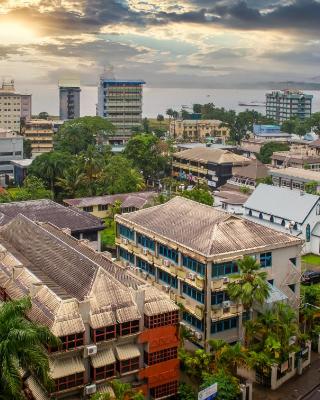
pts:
pixel 269 148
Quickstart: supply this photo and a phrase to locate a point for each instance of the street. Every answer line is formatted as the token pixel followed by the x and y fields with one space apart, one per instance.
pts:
pixel 315 395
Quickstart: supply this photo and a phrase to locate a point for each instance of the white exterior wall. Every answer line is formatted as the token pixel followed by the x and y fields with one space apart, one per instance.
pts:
pixel 10 149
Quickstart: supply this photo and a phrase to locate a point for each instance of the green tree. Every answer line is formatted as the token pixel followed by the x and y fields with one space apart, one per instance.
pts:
pixel 43 115
pixel 22 347
pixel 228 385
pixel 313 123
pixel 146 125
pixel 200 195
pixel 289 126
pixel 27 149
pixel 101 396
pixel 160 118
pixel 311 187
pixel 35 188
pixel 186 392
pixel 73 181
pixel 169 112
pixel 269 148
pixel 50 167
pixel 92 163
pixel 252 285
pixel 196 108
pixel 147 155
pixel 77 135
pixel 119 176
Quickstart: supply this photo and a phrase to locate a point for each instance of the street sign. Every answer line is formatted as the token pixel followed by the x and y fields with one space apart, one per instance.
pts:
pixel 209 393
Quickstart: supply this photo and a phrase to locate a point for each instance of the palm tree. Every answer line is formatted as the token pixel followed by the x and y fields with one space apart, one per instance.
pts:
pixel 22 348
pixel 170 112
pixel 251 287
pixel 72 181
pixel 92 166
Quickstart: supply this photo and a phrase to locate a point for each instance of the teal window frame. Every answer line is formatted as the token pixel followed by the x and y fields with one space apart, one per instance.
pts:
pixel 145 241
pixel 169 253
pixel 192 292
pixel 266 259
pixel 308 233
pixel 194 265
pixel 170 280
pixel 192 320
pixel 219 297
pixel 126 255
pixel 126 232
pixel 224 269
pixel 224 325
pixel 145 266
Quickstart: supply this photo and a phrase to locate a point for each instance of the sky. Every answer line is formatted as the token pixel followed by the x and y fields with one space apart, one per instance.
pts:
pixel 168 43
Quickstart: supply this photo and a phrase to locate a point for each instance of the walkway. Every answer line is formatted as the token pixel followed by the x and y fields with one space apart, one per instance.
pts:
pixel 297 388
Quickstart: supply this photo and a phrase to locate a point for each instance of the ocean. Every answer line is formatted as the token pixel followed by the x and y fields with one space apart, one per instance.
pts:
pixel 157 100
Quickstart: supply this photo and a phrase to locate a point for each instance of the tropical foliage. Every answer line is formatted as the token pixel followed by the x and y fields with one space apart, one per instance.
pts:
pixel 121 390
pixel 22 349
pixel 269 148
pixel 200 195
pixel 33 189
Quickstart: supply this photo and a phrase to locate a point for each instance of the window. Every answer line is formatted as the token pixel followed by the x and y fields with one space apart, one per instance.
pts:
pixel 292 287
pixel 193 293
pixel 154 321
pixel 283 222
pixel 104 333
pixel 105 372
pixel 308 233
pixel 318 209
pixel 126 255
pixel 293 260
pixel 160 356
pixel 88 208
pixel 126 232
pixel 69 342
pixel 192 320
pixel 266 259
pixel 125 366
pixel 6 153
pixel 146 242
pixel 194 265
pixel 224 325
pixel 129 328
pixel 168 279
pixel 218 297
pixel 271 281
pixel 260 216
pixel 102 207
pixel 165 390
pixel 272 219
pixel 68 382
pixel 168 253
pixel 224 269
pixel 145 266
pixel 250 213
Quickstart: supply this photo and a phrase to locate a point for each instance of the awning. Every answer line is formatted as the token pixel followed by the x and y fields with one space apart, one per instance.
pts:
pixel 61 367
pixel 68 327
pixel 127 351
pixel 36 390
pixel 102 358
pixel 128 314
pixel 105 388
pixel 101 320
pixel 159 307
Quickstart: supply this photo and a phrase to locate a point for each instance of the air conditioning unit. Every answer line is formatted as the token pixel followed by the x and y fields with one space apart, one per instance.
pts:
pixel 125 241
pixel 90 389
pixel 166 288
pixel 145 275
pixel 91 350
pixel 191 276
pixel 198 335
pixel 226 304
pixel 226 279
pixel 166 263
pixel 145 251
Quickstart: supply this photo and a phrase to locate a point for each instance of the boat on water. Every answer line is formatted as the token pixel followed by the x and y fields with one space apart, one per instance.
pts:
pixel 252 104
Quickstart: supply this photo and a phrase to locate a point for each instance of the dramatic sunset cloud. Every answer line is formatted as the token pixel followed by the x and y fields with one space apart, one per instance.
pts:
pixel 186 43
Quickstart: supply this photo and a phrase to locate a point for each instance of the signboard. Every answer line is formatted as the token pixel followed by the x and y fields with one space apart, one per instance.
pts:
pixel 213 184
pixel 209 393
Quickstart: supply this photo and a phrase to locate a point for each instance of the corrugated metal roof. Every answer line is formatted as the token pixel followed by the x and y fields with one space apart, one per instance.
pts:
pixel 204 229
pixel 68 326
pixel 102 358
pixel 281 202
pixel 160 307
pixel 127 351
pixel 128 314
pixel 207 154
pixel 60 367
pixel 105 388
pixel 37 392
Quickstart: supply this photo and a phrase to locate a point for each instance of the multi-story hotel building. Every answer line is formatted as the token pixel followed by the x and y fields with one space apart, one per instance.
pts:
pixel 69 95
pixel 13 107
pixel 40 132
pixel 285 104
pixel 198 129
pixel 120 100
pixel 11 148
pixel 192 250
pixel 112 324
pixel 206 165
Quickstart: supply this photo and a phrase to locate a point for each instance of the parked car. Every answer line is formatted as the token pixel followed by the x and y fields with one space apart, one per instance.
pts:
pixel 310 277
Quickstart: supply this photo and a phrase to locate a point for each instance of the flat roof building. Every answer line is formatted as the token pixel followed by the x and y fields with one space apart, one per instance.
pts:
pixel 192 250
pixel 198 129
pixel 294 178
pixel 112 324
pixel 208 165
pixel 11 148
pixel 69 95
pixel 120 100
pixel 282 105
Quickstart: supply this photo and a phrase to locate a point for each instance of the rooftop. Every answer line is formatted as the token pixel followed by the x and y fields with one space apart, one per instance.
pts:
pixel 281 202
pixel 232 197
pixel 185 146
pixel 7 134
pixel 255 170
pixel 26 162
pixel 304 174
pixel 204 229
pixel 48 211
pixel 58 271
pixel 207 154
pixel 137 200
